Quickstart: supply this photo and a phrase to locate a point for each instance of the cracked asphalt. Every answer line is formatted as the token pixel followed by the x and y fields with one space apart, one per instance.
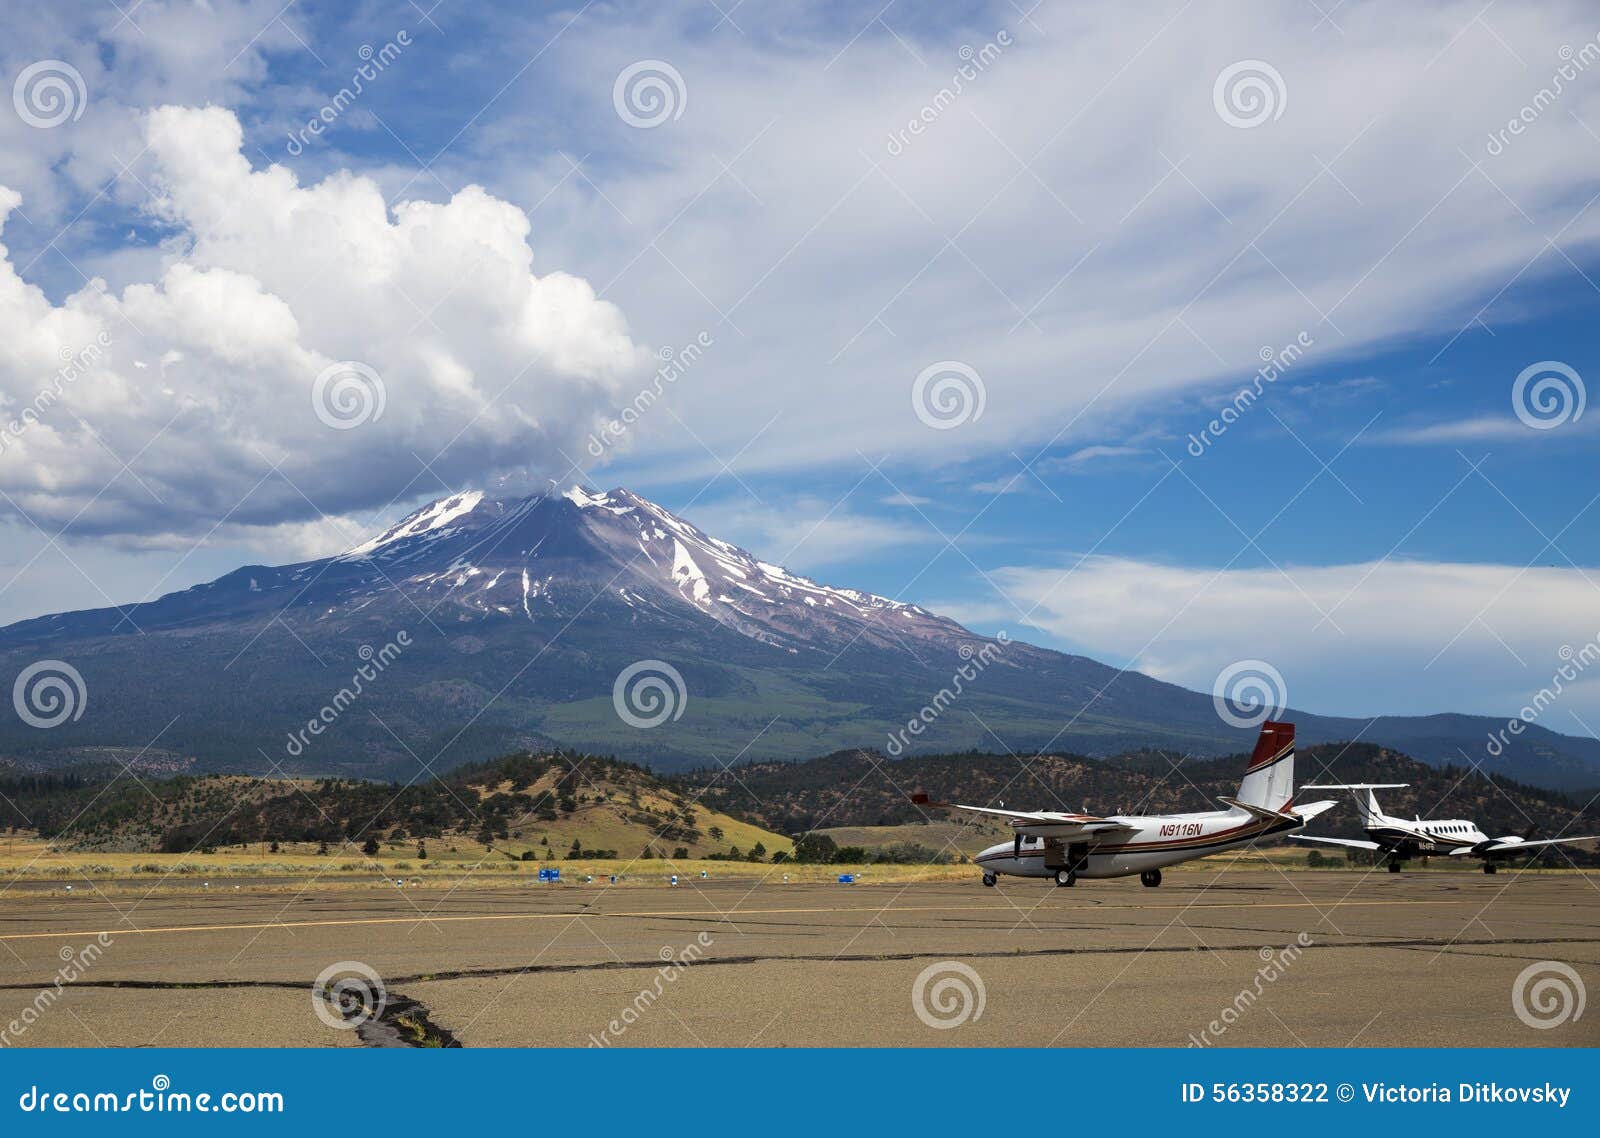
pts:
pixel 1221 957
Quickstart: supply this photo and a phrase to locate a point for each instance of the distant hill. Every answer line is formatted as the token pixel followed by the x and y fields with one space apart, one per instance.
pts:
pixel 540 804
pixel 865 789
pixel 486 626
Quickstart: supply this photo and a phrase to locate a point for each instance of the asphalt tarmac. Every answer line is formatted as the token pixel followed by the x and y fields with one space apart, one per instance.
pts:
pixel 1217 958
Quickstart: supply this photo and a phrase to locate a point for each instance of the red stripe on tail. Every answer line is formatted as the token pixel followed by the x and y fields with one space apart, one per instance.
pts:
pixel 1274 740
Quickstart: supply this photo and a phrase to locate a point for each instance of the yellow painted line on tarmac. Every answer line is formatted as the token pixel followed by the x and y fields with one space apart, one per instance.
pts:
pixel 424 918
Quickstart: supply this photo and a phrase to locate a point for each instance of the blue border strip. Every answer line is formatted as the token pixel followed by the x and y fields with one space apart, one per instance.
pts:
pixel 809 1093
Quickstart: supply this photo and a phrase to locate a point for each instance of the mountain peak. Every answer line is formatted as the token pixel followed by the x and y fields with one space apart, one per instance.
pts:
pixel 581 550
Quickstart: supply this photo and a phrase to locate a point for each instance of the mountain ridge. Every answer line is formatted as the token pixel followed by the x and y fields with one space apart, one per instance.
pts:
pixel 520 616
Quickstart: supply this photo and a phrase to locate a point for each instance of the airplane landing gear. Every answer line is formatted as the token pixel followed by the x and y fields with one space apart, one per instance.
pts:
pixel 988 879
pixel 1065 878
pixel 1394 866
pixel 1490 867
pixel 1150 878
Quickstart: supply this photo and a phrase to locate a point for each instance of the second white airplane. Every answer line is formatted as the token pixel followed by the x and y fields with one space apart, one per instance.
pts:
pixel 1068 846
pixel 1400 839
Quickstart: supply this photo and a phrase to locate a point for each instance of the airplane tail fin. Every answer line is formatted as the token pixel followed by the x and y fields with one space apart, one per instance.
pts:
pixel 1269 779
pixel 1366 801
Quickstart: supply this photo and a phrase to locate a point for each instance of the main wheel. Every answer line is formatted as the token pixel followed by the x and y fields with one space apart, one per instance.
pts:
pixel 988 879
pixel 1394 866
pixel 1490 867
pixel 1150 878
pixel 1066 878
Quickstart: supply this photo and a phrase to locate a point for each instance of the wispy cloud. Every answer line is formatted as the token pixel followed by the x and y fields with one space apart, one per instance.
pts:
pixel 1411 637
pixel 1482 428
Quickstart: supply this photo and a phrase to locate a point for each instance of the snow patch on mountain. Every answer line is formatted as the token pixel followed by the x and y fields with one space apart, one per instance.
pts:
pixel 431 518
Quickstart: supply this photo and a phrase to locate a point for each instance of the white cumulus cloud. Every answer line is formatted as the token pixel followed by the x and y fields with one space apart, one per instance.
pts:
pixel 469 361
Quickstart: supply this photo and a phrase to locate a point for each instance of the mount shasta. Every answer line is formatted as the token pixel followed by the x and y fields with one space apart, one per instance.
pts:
pixel 477 626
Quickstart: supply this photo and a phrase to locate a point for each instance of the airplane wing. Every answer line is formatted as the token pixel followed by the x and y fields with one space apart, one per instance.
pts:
pixel 1501 846
pixel 1053 822
pixel 1354 843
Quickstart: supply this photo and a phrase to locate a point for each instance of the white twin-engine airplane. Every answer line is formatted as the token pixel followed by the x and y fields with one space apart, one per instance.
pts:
pixel 1401 840
pixel 1069 846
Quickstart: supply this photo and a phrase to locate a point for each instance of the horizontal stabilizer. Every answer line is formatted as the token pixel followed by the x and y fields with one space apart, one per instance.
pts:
pixel 1046 823
pixel 1501 846
pixel 1353 843
pixel 1309 810
pixel 1358 786
pixel 1258 811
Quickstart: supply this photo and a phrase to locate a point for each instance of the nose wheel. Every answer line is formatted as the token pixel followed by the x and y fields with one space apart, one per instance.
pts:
pixel 1490 867
pixel 1066 878
pixel 1394 866
pixel 988 879
pixel 1150 878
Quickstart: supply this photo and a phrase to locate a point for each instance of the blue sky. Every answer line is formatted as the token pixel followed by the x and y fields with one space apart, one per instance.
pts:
pixel 1093 218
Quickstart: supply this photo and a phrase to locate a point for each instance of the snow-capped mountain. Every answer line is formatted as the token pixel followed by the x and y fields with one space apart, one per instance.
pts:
pixel 479 625
pixel 559 554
